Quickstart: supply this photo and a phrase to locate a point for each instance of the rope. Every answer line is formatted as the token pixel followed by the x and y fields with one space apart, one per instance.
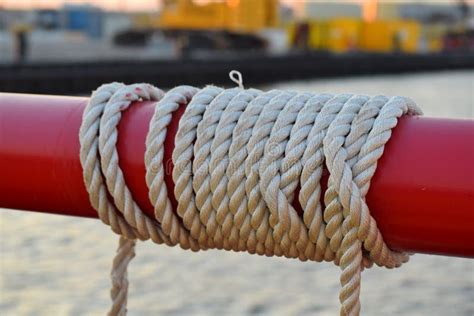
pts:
pixel 240 157
pixel 236 77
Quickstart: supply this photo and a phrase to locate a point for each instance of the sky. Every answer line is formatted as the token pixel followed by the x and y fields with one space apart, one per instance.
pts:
pixel 127 5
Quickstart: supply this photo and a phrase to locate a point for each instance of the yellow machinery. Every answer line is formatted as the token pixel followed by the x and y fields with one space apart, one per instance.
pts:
pixel 341 35
pixel 242 16
pixel 390 36
pixel 213 24
pixel 337 35
pixel 232 24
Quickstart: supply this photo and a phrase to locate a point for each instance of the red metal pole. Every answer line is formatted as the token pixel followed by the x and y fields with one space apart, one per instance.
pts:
pixel 422 194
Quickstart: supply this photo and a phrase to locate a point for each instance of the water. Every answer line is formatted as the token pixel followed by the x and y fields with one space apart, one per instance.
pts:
pixel 54 265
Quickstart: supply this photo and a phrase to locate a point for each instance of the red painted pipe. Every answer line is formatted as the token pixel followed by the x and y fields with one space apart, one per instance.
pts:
pixel 422 194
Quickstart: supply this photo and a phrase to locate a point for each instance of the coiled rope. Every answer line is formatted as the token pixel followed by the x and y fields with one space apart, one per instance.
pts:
pixel 240 157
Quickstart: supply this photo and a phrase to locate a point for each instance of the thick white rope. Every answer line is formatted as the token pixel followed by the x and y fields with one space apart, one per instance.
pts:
pixel 236 174
pixel 155 172
pixel 239 158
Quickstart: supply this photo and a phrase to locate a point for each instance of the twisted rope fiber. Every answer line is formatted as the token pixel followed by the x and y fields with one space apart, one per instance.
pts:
pixel 240 155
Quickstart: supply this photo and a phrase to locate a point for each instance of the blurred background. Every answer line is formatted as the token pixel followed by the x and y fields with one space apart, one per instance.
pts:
pixel 171 28
pixel 73 46
pixel 55 265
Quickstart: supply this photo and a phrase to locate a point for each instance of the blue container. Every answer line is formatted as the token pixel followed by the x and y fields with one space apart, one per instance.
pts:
pixel 94 26
pixel 84 19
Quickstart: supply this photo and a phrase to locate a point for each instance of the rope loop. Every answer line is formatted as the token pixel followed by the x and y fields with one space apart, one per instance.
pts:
pixel 236 77
pixel 240 157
